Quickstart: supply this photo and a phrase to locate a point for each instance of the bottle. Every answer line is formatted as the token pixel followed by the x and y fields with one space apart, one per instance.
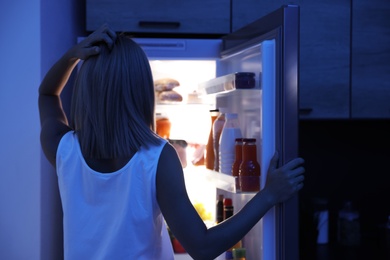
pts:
pixel 239 253
pixel 217 130
pixel 228 209
pixel 209 161
pixel 388 233
pixel 249 172
pixel 231 130
pixel 237 161
pixel 219 209
pixel 348 225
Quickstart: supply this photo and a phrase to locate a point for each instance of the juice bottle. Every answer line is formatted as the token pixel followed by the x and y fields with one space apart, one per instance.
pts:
pixel 249 173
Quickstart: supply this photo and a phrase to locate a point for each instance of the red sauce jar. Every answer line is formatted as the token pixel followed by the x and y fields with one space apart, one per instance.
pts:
pixel 237 160
pixel 249 171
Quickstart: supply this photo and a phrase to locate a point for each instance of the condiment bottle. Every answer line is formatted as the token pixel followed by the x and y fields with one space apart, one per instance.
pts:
pixel 231 130
pixel 217 130
pixel 228 209
pixel 209 162
pixel 249 172
pixel 219 209
pixel 237 161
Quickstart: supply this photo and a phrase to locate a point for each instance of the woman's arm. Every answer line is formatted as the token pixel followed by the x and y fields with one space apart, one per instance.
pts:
pixel 188 227
pixel 54 123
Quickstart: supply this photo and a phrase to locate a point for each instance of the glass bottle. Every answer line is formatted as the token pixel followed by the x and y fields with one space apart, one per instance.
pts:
pixel 228 209
pixel 237 161
pixel 348 225
pixel 219 209
pixel 217 130
pixel 231 130
pixel 210 158
pixel 249 172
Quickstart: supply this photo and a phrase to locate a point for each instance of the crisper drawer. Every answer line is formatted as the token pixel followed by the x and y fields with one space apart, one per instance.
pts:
pixel 154 16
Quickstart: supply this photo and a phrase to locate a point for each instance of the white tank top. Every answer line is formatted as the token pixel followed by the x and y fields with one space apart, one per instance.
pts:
pixel 111 216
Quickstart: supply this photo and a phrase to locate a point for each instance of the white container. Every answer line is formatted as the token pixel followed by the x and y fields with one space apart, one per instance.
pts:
pixel 230 132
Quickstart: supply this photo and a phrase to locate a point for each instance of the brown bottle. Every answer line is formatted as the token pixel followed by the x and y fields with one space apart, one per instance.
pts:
pixel 237 161
pixel 219 209
pixel 249 172
pixel 209 162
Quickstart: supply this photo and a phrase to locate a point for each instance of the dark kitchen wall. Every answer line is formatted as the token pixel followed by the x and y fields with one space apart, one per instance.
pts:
pixel 346 160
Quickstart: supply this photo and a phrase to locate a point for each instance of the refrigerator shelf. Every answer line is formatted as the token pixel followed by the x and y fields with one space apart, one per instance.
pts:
pixel 220 180
pixel 238 80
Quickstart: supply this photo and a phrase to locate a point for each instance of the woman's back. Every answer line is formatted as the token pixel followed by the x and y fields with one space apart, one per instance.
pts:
pixel 111 215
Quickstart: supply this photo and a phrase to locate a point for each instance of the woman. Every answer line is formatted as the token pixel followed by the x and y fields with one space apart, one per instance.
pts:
pixel 118 180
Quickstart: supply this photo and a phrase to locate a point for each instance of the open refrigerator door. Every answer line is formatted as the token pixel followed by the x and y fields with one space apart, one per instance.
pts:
pixel 267 112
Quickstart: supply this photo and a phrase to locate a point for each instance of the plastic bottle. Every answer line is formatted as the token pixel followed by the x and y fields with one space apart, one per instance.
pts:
pixel 237 161
pixel 210 158
pixel 217 130
pixel 348 226
pixel 231 130
pixel 219 209
pixel 249 172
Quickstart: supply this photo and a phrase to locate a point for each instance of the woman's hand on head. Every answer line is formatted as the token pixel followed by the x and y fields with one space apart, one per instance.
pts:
pixel 283 182
pixel 90 45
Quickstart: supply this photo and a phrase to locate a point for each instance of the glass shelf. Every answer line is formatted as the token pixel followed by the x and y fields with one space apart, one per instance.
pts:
pixel 219 180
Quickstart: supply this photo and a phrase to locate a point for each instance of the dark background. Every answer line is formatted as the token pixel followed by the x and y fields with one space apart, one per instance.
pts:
pixel 346 160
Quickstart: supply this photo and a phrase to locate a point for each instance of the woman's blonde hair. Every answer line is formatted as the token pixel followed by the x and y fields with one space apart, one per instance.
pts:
pixel 113 106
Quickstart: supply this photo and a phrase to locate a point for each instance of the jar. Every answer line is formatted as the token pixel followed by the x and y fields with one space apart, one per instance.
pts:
pixel 245 80
pixel 163 126
pixel 249 172
pixel 237 161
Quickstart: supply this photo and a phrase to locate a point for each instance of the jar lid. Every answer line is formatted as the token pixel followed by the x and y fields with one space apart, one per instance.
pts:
pixel 227 202
pixel 249 140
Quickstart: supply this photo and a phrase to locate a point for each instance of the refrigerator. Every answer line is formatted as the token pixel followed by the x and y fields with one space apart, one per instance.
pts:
pixel 268 47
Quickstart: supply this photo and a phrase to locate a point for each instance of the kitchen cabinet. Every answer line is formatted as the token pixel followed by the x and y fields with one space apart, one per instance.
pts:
pixel 324 86
pixel 153 16
pixel 370 59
